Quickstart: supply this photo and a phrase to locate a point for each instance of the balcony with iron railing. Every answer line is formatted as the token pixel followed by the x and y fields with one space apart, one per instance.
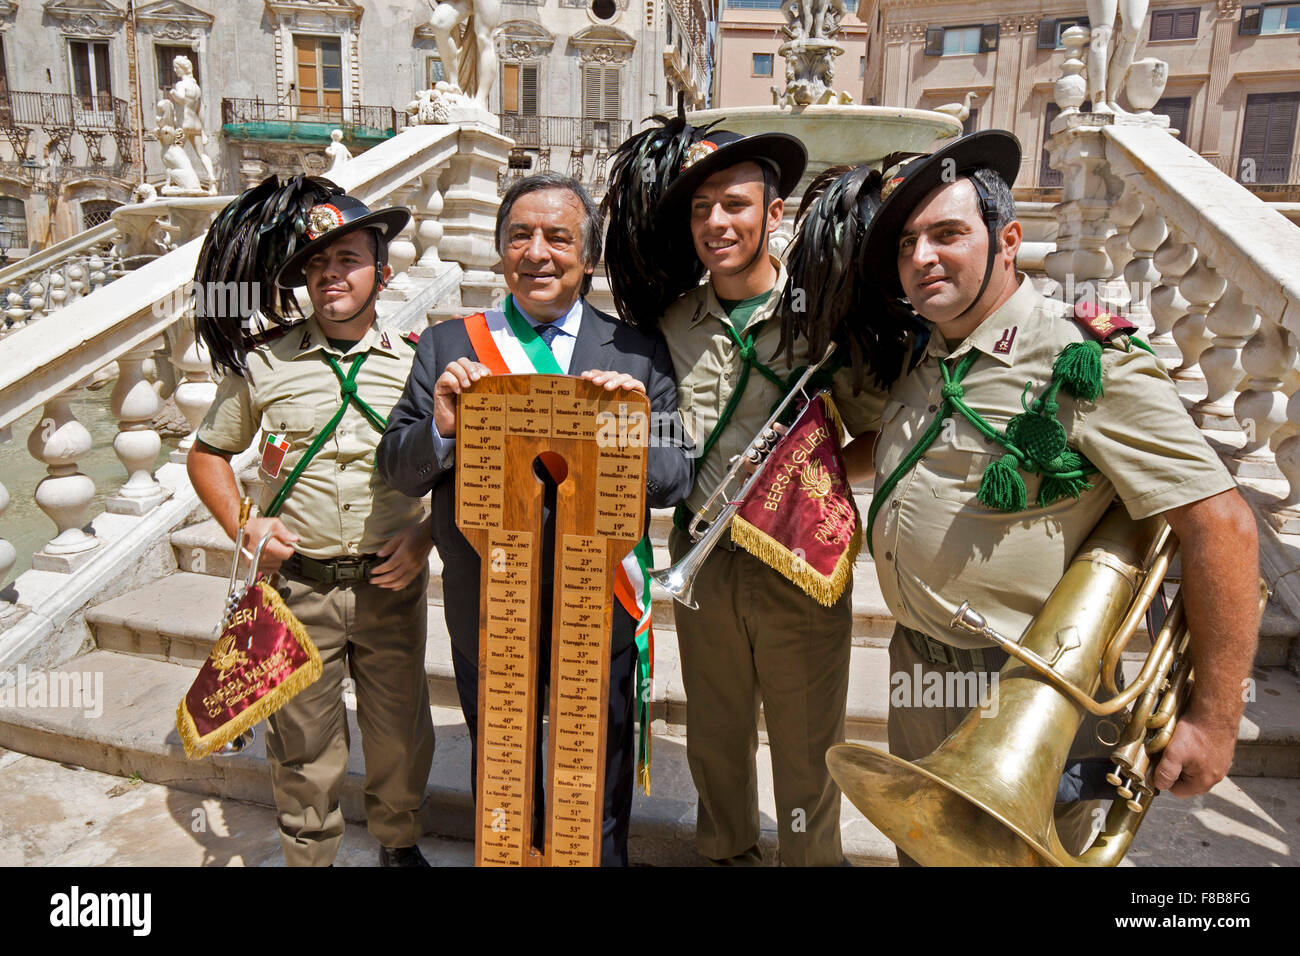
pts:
pixel 578 145
pixel 259 119
pixel 65 119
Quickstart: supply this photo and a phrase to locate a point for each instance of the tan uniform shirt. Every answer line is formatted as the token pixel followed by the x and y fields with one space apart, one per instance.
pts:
pixel 707 362
pixel 935 545
pixel 338 507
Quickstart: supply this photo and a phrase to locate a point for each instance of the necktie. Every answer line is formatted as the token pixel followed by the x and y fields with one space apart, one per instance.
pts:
pixel 548 332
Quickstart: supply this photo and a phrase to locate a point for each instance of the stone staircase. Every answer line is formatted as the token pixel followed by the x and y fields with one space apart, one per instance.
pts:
pixel 150 641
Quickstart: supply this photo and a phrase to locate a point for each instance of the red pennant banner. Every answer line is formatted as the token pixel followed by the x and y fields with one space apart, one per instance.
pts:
pixel 799 518
pixel 261 661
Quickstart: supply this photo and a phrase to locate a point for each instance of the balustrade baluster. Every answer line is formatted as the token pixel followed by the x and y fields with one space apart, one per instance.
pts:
pixel 35 301
pixel 1166 303
pixel 195 391
pixel 1233 321
pixel 76 283
pixel 1260 407
pixel 59 440
pixel 1285 517
pixel 98 274
pixel 135 402
pixel 1145 236
pixel 1201 286
pixel 428 209
pixel 1125 213
pixel 7 554
pixel 58 290
pixel 401 251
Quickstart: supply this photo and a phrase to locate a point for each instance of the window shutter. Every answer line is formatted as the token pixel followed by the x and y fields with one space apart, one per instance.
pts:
pixel 1178 109
pixel 1250 17
pixel 591 76
pixel 528 90
pixel 610 104
pixel 934 41
pixel 510 88
pixel 1047 34
pixel 1162 25
pixel 1186 23
pixel 988 37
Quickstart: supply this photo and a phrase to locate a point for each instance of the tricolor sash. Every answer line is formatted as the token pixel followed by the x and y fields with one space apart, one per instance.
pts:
pixel 507 344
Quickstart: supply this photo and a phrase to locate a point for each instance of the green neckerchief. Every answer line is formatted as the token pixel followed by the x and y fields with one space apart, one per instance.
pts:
pixel 538 352
pixel 740 310
pixel 348 389
pixel 1034 440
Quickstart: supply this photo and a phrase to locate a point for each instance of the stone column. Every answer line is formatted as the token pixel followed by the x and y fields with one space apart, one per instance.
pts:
pixel 135 403
pixel 470 204
pixel 65 493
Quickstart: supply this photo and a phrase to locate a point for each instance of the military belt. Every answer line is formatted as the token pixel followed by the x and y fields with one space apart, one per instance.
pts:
pixel 331 570
pixel 962 659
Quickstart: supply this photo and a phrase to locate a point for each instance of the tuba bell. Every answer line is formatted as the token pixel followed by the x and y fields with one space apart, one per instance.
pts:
pixel 985 796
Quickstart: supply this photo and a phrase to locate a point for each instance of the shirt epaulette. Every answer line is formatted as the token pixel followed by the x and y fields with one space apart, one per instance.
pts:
pixel 1100 324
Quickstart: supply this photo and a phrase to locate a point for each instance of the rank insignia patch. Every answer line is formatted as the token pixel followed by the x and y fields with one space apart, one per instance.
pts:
pixel 273 453
pixel 1099 322
pixel 1003 345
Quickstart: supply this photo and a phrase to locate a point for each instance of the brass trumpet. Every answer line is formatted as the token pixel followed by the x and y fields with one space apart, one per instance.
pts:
pixel 679 579
pixel 985 796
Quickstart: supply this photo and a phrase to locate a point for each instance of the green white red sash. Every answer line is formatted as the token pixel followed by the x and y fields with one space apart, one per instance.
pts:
pixel 507 344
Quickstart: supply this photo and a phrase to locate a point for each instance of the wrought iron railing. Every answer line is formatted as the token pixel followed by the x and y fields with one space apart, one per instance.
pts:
pixel 572 132
pixel 1261 169
pixel 100 112
pixel 354 121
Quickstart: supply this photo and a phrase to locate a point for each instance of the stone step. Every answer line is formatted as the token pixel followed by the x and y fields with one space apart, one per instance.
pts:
pixel 136 736
pixel 173 620
pixel 1244 820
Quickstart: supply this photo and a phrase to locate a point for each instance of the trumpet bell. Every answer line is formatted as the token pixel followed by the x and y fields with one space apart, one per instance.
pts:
pixel 678 583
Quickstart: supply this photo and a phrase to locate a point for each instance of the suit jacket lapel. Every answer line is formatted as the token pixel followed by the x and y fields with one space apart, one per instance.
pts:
pixel 595 335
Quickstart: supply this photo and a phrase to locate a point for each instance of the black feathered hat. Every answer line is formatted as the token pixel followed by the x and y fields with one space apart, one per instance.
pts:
pixel 718 149
pixel 333 219
pixel 905 188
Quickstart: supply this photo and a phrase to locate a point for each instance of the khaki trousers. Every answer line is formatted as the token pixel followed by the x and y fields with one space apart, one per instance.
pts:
pixel 379 636
pixel 757 637
pixel 917 730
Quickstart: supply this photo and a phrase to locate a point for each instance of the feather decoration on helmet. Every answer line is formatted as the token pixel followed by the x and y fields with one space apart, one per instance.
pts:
pixel 649 258
pixel 244 248
pixel 829 297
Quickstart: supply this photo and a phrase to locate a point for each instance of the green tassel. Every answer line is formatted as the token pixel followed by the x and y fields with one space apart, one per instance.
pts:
pixel 1079 369
pixel 1053 487
pixel 1002 487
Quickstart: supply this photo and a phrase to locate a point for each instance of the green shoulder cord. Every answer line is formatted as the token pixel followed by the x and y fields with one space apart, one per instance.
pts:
pixel 348 388
pixel 1034 440
pixel 748 361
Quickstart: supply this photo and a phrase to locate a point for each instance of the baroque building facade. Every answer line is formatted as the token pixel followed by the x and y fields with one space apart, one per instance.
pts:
pixel 81 80
pixel 1233 90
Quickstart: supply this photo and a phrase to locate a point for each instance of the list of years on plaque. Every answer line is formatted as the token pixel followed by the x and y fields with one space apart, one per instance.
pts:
pixel 481 460
pixel 619 483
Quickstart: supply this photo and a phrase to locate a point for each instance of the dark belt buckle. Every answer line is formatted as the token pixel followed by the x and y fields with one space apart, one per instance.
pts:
pixel 350 570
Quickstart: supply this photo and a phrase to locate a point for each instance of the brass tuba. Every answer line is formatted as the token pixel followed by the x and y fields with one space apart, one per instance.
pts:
pixel 985 796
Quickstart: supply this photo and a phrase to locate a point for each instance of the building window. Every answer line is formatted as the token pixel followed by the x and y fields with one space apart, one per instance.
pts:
pixel 319 71
pixel 4 70
pixel 1268 138
pixel 433 72
pixel 670 30
pixel 13 217
pixel 604 9
pixel 762 64
pixel 1179 111
pixel 164 56
pixel 1270 18
pixel 862 68
pixel 1050 31
pixel 90 74
pixel 1175 24
pixel 972 122
pixel 519 88
pixel 97 211
pixel 600 95
pixel 958 41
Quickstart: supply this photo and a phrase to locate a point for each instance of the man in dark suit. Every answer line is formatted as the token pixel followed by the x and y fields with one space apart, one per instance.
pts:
pixel 549 236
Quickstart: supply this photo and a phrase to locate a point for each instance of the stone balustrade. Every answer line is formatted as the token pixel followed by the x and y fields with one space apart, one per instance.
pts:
pixel 446 173
pixel 1209 272
pixel 58 276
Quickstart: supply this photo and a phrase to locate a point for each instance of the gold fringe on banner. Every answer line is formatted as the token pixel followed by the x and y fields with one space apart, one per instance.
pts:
pixel 825 590
pixel 197 747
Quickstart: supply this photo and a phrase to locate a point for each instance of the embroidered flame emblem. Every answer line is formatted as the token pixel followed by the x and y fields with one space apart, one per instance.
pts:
pixel 697 152
pixel 322 219
pixel 816 480
pixel 226 657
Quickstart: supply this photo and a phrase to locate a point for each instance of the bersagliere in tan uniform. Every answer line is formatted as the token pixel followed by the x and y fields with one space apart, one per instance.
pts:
pixel 756 636
pixel 351 553
pixel 339 509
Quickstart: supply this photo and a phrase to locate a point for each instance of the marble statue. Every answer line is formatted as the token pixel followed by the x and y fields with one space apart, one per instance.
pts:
pixel 187 96
pixel 468 55
pixel 1109 58
pixel 337 152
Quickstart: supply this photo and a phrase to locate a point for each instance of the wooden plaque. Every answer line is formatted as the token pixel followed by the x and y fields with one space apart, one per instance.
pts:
pixel 597 441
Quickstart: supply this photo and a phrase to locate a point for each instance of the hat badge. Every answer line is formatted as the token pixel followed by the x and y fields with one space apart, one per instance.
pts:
pixel 889 187
pixel 697 152
pixel 322 219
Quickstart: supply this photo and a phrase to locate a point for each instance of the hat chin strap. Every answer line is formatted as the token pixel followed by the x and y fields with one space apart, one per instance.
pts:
pixel 990 220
